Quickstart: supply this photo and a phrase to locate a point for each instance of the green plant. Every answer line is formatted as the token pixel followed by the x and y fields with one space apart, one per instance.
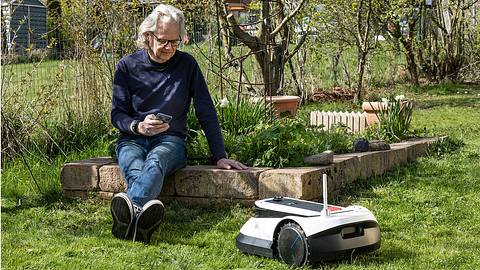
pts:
pixel 395 118
pixel 281 143
pixel 241 115
pixel 285 142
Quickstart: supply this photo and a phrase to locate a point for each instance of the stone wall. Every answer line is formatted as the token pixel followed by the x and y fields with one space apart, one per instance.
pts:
pixel 101 177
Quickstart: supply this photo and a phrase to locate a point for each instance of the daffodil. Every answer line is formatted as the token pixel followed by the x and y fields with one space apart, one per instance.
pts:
pixel 223 102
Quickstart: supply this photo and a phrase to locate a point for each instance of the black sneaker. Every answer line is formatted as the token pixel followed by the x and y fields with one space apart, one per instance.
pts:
pixel 148 221
pixel 123 215
pixel 136 212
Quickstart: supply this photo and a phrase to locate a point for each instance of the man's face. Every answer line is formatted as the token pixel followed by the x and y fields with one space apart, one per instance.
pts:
pixel 166 30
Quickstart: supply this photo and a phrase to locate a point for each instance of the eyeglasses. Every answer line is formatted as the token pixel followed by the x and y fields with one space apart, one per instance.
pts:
pixel 164 42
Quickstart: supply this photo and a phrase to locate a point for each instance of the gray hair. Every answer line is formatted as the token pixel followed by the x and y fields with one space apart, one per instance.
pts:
pixel 150 23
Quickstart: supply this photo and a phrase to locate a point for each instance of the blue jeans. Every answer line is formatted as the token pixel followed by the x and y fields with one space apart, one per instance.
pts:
pixel 146 161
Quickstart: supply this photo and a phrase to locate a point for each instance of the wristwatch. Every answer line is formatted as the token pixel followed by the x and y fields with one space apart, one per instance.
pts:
pixel 135 127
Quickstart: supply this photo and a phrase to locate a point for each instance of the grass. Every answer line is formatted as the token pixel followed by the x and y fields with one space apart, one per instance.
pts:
pixel 426 210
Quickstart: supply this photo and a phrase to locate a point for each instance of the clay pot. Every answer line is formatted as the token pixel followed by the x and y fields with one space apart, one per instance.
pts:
pixel 282 104
pixel 371 109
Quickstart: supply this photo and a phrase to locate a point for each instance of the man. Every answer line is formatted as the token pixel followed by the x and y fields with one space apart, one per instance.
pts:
pixel 157 79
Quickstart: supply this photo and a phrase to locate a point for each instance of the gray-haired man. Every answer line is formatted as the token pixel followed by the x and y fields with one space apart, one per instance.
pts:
pixel 157 79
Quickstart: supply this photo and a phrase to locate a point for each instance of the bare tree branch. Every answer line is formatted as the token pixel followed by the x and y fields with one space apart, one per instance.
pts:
pixel 288 18
pixel 251 41
pixel 302 40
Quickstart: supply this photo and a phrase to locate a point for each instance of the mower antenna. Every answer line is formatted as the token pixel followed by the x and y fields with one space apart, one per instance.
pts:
pixel 325 210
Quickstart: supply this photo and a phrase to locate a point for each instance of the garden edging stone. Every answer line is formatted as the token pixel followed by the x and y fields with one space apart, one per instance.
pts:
pixel 101 177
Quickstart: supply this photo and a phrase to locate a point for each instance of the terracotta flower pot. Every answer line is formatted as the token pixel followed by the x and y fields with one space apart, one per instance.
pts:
pixel 371 109
pixel 282 104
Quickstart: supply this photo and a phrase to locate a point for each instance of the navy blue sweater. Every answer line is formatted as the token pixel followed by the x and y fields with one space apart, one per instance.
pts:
pixel 142 87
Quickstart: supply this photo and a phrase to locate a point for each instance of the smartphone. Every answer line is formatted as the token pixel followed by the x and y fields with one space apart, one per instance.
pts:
pixel 164 117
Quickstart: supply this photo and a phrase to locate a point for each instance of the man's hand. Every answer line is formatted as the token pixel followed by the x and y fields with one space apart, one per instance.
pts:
pixel 152 126
pixel 228 164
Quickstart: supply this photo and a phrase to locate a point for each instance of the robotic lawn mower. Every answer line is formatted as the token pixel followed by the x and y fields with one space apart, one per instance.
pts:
pixel 299 231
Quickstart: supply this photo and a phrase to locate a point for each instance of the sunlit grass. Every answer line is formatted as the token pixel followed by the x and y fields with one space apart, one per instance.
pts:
pixel 426 210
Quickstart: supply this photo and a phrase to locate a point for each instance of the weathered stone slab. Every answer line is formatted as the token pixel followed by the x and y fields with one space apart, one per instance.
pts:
pixel 83 174
pixel 345 169
pixel 199 185
pixel 414 148
pixel 396 156
pixel 82 194
pixel 209 181
pixel 324 158
pixel 196 201
pixel 111 180
pixel 302 183
pixel 371 163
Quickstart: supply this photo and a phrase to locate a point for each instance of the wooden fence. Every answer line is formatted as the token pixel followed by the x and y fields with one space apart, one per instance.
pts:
pixel 355 122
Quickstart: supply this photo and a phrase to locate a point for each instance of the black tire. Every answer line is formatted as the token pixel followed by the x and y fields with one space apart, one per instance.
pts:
pixel 292 245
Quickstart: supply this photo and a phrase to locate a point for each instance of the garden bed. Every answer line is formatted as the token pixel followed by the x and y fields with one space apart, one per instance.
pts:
pixel 100 177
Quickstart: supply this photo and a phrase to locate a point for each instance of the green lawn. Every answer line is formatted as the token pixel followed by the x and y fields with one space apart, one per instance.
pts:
pixel 427 212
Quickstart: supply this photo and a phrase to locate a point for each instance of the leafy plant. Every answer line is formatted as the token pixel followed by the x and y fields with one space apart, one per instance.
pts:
pixel 395 118
pixel 281 143
pixel 241 115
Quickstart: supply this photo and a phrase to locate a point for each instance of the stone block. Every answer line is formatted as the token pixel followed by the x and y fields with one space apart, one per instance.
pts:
pixel 417 149
pixel 209 181
pixel 345 169
pixel 414 148
pixel 82 194
pixel 83 174
pixel 196 201
pixel 397 156
pixel 111 180
pixel 301 183
pixel 371 163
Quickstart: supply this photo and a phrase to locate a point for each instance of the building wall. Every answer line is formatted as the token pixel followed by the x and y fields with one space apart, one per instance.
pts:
pixel 28 25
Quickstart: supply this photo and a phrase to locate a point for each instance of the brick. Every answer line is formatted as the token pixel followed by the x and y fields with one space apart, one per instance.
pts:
pixel 209 181
pixel 111 180
pixel 83 174
pixel 301 183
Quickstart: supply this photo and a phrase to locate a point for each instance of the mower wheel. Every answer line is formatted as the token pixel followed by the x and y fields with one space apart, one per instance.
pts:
pixel 292 245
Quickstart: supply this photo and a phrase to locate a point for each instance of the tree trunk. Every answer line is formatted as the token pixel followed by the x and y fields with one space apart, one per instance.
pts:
pixel 360 71
pixel 411 63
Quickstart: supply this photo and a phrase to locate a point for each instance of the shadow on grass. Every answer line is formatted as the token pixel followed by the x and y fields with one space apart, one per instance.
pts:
pixel 446 88
pixel 192 225
pixel 386 254
pixel 18 203
pixel 460 101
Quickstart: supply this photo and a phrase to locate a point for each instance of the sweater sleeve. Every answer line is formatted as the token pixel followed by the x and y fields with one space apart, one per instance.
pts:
pixel 206 114
pixel 121 101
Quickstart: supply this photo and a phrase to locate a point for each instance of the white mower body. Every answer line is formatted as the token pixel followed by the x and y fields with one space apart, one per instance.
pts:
pixel 301 231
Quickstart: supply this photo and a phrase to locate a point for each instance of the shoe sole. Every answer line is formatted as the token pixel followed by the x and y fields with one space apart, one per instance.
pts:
pixel 122 213
pixel 148 221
